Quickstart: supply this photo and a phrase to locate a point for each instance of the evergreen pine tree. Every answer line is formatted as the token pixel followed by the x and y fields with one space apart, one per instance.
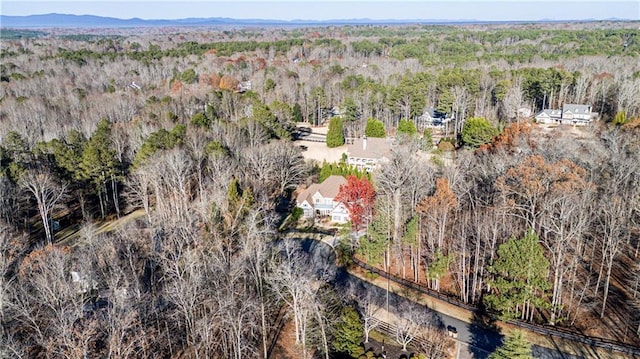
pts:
pixel 519 281
pixel 297 113
pixel 99 163
pixel 348 334
pixel 407 128
pixel 478 131
pixel 335 134
pixel 620 118
pixel 515 346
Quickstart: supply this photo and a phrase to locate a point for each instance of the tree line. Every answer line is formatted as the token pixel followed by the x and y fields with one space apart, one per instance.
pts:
pixel 317 75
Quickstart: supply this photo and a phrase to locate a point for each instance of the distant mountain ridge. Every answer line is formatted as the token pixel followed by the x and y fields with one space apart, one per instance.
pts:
pixel 91 21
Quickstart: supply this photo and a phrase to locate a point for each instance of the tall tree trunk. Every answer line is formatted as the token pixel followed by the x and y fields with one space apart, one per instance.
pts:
pixel 44 215
pixel 114 191
pixel 323 333
pixel 476 270
pixel 606 286
pixel 100 199
pixel 264 329
pixel 397 215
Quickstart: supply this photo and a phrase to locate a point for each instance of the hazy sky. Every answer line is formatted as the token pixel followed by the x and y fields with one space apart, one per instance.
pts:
pixel 325 10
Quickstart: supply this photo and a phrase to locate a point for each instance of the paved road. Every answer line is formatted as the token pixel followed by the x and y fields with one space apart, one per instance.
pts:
pixel 475 341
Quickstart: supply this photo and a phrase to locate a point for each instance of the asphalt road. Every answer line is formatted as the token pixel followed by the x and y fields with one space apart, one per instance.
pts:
pixel 475 341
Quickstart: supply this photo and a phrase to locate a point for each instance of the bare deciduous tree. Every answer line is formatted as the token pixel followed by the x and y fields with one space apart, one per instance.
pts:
pixel 292 283
pixel 47 191
pixel 513 100
pixel 564 226
pixel 50 304
pixel 369 307
pixel 394 180
pixel 410 323
pixel 138 190
pixel 614 219
pixel 273 168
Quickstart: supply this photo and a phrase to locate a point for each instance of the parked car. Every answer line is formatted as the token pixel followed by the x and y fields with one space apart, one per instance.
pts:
pixel 452 331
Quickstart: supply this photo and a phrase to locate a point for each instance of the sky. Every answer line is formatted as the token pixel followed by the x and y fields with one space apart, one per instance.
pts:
pixel 497 10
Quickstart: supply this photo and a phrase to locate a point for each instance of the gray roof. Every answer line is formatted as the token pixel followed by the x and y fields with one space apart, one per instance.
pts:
pixel 550 113
pixel 329 188
pixel 307 193
pixel 576 108
pixel 377 148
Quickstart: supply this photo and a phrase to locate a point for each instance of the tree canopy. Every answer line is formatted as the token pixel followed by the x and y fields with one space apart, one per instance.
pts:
pixel 515 346
pixel 519 282
pixel 375 128
pixel 348 333
pixel 335 134
pixel 358 195
pixel 477 131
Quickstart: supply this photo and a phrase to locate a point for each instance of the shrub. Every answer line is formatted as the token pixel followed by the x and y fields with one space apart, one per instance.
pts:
pixel 375 128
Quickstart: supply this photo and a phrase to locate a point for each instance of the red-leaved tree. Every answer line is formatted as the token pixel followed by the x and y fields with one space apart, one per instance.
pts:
pixel 358 196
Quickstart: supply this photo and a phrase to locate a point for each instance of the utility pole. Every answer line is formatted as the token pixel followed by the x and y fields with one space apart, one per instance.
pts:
pixel 387 268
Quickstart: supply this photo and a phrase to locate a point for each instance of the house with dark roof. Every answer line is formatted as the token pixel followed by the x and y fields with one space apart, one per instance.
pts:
pixel 367 153
pixel 571 114
pixel 433 118
pixel 319 200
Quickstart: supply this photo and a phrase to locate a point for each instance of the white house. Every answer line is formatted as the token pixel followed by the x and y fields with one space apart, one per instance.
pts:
pixel 548 116
pixel 367 153
pixel 571 114
pixel 318 200
pixel 432 118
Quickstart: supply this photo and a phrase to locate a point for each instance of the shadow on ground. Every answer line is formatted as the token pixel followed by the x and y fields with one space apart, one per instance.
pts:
pixel 485 334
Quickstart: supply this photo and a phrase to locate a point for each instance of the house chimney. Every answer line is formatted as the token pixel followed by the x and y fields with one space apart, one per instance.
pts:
pixel 364 142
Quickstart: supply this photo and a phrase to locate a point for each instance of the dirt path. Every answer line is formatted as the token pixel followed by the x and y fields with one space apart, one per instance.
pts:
pixel 69 236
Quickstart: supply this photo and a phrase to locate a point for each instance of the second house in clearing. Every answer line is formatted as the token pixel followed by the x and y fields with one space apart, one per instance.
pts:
pixel 367 154
pixel 318 200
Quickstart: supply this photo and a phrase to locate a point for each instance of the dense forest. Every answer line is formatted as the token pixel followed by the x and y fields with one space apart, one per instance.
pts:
pixel 146 178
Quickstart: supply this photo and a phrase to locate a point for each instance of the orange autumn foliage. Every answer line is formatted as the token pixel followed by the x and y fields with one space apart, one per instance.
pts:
pixel 632 125
pixel 509 138
pixel 212 80
pixel 228 83
pixel 38 260
pixel 177 86
pixel 442 200
pixel 533 185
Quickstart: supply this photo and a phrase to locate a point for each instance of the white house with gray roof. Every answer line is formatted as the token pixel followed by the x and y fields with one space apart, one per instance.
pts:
pixel 571 114
pixel 319 200
pixel 367 153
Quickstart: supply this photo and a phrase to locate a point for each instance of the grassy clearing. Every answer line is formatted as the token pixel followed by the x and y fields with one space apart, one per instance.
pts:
pixel 69 236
